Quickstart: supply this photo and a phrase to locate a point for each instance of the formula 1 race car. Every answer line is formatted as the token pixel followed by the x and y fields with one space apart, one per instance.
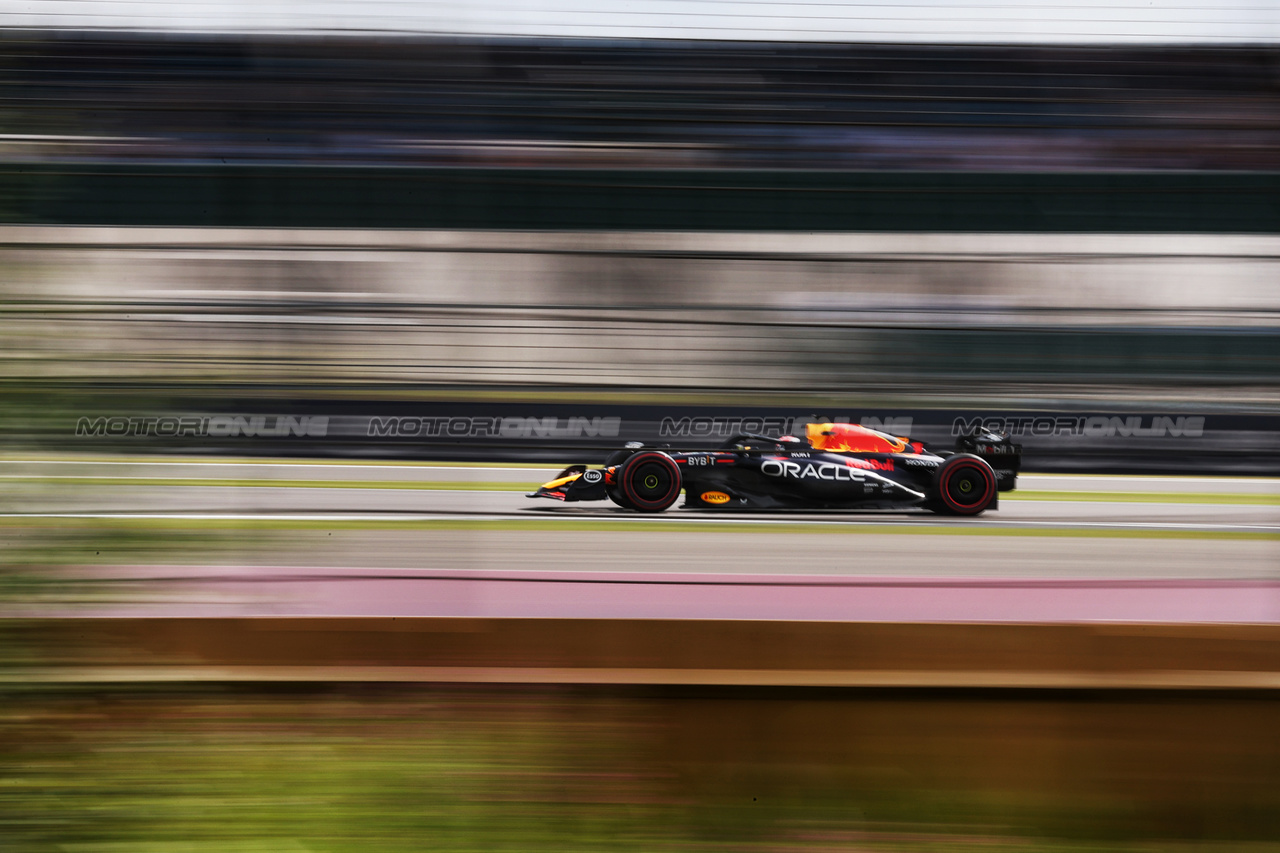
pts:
pixel 839 466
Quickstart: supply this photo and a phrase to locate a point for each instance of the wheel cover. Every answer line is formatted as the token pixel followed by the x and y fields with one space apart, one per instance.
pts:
pixel 967 487
pixel 651 481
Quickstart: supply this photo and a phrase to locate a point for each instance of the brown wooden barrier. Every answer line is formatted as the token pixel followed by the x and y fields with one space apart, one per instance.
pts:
pixel 709 652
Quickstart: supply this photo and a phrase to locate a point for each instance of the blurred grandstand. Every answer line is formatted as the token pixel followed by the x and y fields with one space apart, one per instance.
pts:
pixel 416 101
pixel 1020 225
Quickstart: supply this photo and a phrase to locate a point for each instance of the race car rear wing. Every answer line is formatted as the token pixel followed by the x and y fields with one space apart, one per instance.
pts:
pixel 1004 457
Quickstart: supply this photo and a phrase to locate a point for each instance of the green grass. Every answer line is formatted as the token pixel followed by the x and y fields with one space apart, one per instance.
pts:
pixel 33 556
pixel 330 769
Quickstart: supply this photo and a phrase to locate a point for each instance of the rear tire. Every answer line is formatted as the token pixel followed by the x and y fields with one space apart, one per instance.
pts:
pixel 964 485
pixel 649 481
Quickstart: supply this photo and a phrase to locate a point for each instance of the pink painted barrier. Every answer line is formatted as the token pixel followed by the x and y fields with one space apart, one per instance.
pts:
pixel 274 591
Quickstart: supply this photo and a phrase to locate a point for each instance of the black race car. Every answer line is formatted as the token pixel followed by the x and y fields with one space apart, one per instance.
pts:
pixel 837 466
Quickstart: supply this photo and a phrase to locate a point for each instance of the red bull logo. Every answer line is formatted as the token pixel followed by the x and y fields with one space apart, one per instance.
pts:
pixel 871 464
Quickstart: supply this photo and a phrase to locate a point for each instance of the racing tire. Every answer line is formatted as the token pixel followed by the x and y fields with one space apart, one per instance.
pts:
pixel 964 485
pixel 614 461
pixel 649 481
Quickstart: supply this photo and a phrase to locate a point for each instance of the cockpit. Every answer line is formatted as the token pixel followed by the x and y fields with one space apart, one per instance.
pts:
pixel 852 438
pixel 827 437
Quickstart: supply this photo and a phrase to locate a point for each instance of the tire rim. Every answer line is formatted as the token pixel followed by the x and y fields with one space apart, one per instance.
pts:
pixel 967 486
pixel 653 483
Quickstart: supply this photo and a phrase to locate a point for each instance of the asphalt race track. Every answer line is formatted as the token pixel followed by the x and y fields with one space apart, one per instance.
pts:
pixel 457 541
pixel 437 492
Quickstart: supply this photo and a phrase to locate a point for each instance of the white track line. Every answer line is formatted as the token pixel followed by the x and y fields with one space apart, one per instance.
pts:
pixel 633 519
pixel 1148 478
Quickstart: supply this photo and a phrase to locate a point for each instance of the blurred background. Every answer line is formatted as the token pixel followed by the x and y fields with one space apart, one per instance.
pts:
pixel 1026 223
pixel 588 221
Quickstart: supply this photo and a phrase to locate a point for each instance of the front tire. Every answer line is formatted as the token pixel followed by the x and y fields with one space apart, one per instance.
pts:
pixel 964 485
pixel 649 481
pixel 615 495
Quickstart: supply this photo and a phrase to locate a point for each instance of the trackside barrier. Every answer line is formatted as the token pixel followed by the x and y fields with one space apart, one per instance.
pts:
pixel 1085 440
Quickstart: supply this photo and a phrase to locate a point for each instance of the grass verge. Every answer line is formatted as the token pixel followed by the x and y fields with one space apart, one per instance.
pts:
pixel 331 769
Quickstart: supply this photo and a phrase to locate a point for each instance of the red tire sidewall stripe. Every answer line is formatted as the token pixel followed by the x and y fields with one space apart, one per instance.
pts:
pixel 987 478
pixel 629 493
